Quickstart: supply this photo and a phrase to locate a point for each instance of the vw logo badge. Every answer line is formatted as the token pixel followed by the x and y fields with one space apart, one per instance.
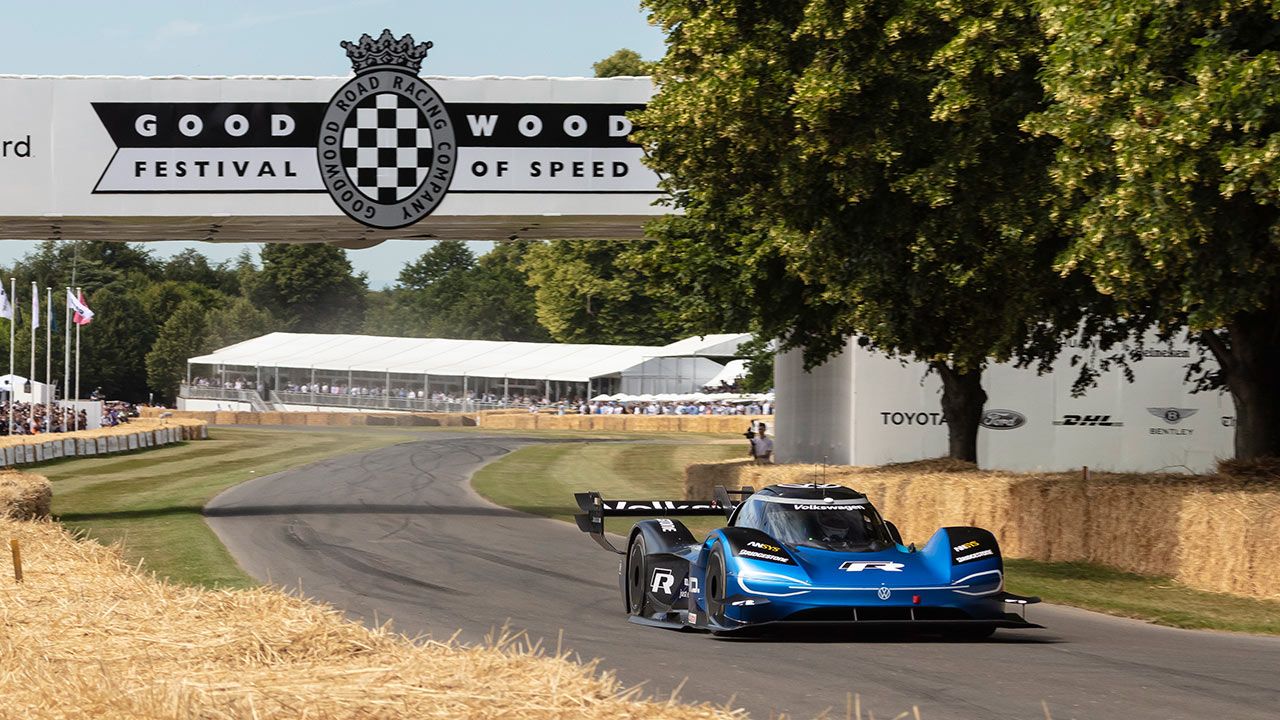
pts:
pixel 883 593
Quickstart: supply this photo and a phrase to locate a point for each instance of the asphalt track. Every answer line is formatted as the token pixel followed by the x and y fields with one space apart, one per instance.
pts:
pixel 398 534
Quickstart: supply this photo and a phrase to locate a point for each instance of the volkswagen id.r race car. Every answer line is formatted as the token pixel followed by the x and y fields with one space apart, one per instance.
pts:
pixel 802 555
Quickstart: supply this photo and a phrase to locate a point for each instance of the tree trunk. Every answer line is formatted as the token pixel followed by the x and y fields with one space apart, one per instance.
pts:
pixel 962 401
pixel 1250 358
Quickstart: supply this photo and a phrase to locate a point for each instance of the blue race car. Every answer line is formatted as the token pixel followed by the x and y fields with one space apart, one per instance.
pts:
pixel 802 555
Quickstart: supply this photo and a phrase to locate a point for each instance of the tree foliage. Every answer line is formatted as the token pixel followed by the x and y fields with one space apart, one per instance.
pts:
pixel 595 291
pixel 622 63
pixel 860 168
pixel 309 288
pixel 182 336
pixel 448 292
pixel 1169 175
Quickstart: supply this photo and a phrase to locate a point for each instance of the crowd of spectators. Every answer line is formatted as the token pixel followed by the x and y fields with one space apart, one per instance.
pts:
pixel 37 419
pixel 534 403
pixel 677 407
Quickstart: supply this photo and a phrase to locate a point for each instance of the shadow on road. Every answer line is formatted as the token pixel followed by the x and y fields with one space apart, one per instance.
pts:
pixel 308 509
pixel 829 635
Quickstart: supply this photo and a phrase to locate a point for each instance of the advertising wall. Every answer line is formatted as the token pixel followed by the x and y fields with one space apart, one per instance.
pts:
pixel 245 158
pixel 1032 422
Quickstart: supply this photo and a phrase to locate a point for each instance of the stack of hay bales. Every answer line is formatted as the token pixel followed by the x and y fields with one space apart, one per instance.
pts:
pixel 1213 533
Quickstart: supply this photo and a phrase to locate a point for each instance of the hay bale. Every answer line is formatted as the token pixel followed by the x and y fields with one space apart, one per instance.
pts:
pixel 1228 541
pixel 271 418
pixel 1205 534
pixel 89 636
pixel 24 496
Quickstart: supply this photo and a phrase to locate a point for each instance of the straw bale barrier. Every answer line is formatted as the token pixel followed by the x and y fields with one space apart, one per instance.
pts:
pixel 1213 533
pixel 320 419
pixel 139 434
pixel 88 636
pixel 24 496
pixel 525 420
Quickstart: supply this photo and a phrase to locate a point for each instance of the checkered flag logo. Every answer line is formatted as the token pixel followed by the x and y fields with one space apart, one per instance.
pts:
pixel 387 150
pixel 386 147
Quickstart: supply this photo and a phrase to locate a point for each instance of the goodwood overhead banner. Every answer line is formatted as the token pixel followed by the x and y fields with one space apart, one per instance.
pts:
pixel 385 153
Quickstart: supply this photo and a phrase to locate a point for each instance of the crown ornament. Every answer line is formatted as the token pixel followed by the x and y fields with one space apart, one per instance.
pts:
pixel 386 51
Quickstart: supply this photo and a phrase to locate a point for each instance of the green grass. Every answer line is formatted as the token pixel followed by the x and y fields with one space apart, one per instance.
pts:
pixel 150 501
pixel 542 480
pixel 1157 599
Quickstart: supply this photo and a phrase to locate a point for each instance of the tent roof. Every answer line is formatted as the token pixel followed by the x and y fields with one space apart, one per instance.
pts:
pixel 436 356
pixel 724 345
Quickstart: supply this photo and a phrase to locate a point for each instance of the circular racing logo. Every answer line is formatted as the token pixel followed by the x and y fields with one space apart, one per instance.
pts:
pixel 387 150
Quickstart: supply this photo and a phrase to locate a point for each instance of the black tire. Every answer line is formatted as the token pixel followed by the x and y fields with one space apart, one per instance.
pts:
pixel 715 591
pixel 637 574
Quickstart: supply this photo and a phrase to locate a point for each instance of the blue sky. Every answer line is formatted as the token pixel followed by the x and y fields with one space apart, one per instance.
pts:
pixel 287 37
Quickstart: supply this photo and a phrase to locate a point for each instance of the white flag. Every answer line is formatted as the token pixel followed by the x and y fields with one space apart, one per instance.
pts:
pixel 6 307
pixel 35 306
pixel 82 312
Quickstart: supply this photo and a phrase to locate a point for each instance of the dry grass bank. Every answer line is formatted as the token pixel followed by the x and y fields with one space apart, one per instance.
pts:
pixel 87 636
pixel 1214 533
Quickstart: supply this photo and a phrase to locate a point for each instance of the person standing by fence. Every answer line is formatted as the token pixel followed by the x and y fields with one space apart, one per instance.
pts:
pixel 762 445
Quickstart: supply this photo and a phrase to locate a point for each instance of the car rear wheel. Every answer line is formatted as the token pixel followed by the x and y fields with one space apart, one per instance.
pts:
pixel 637 575
pixel 715 592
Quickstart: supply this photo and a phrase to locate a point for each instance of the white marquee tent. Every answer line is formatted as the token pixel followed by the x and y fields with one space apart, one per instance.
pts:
pixel 451 365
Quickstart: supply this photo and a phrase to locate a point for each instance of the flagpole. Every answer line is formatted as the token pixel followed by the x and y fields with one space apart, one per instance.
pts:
pixel 66 364
pixel 48 359
pixel 77 413
pixel 13 296
pixel 31 375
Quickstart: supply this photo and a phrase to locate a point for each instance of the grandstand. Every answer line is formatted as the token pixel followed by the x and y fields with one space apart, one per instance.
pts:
pixel 305 371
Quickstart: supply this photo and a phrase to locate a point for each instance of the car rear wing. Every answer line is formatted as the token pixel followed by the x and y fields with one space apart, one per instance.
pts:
pixel 595 509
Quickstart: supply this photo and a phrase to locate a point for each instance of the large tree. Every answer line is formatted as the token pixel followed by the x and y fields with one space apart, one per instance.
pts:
pixel 308 287
pixel 622 63
pixel 182 336
pixel 861 169
pixel 1169 167
pixel 590 291
pixel 115 345
pixel 448 292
